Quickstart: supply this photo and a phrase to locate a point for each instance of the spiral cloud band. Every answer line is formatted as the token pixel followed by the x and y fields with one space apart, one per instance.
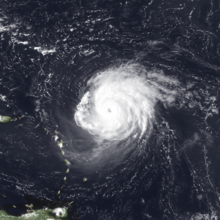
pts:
pixel 120 102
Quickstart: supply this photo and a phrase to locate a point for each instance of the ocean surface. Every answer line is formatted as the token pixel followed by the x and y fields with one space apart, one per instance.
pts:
pixel 115 106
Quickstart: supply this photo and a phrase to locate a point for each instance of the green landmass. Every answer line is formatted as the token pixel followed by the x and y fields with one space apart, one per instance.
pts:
pixel 43 214
pixel 4 119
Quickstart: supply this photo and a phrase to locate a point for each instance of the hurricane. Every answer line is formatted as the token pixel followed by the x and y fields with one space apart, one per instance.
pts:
pixel 119 103
pixel 110 109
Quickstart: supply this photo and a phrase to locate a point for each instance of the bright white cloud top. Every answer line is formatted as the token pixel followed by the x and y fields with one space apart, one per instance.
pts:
pixel 120 102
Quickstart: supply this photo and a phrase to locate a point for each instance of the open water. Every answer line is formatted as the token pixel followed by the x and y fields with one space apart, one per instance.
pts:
pixel 131 88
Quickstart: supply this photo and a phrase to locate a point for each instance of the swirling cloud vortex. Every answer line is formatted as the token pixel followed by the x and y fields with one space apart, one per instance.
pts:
pixel 120 101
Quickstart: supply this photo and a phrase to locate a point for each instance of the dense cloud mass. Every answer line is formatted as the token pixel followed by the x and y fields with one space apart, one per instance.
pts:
pixel 120 101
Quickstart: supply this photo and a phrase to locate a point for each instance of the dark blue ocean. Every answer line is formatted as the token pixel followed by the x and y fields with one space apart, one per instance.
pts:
pixel 48 52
